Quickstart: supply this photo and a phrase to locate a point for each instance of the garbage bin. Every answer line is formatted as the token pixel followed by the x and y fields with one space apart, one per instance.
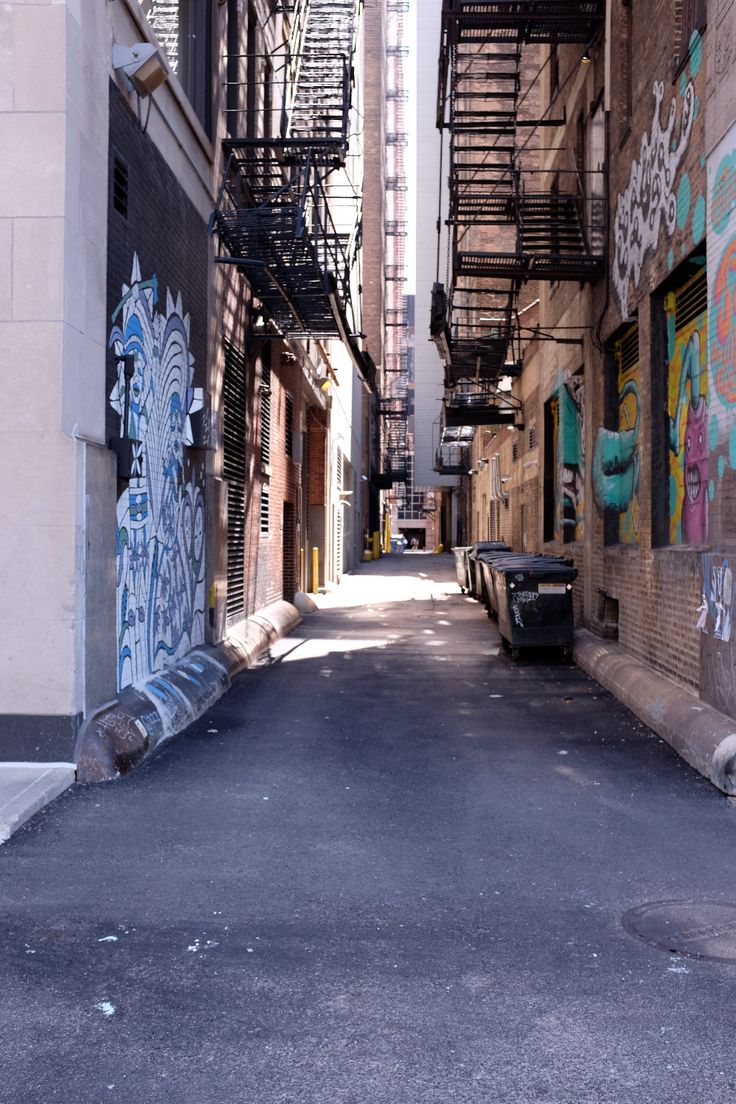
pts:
pixel 484 563
pixel 475 579
pixel 461 565
pixel 534 602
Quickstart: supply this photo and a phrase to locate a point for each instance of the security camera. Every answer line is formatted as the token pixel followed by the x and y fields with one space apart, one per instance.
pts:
pixel 143 64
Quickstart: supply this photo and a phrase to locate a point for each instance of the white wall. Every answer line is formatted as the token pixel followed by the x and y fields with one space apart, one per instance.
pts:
pixel 428 365
pixel 53 218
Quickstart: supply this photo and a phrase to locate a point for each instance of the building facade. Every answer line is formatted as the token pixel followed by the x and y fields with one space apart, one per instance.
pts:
pixel 619 453
pixel 182 284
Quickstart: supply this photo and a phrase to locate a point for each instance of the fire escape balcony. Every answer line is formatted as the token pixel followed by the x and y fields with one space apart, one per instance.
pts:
pixel 528 21
pixel 481 405
pixel 452 459
pixel 531 234
pixel 393 411
pixel 276 217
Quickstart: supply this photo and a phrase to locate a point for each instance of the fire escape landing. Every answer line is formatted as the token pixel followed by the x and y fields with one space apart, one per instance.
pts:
pixel 530 234
pixel 282 216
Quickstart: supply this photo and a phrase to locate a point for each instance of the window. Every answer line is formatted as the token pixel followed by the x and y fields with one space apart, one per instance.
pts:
pixel 183 30
pixel 693 18
pixel 554 71
pixel 626 75
pixel 251 87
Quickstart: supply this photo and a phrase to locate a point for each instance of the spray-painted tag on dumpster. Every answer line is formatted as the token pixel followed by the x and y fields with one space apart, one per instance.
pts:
pixel 552 588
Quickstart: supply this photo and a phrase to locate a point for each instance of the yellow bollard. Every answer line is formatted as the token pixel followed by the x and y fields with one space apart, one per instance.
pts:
pixel 315 570
pixel 387 533
pixel 376 545
pixel 302 580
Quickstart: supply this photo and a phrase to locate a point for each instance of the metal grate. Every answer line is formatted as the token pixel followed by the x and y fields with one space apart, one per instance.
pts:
pixel 627 349
pixel 233 469
pixel 515 451
pixel 700 929
pixel 532 437
pixel 266 407
pixel 120 187
pixel 691 300
pixel 288 425
pixel 265 511
pixel 289 563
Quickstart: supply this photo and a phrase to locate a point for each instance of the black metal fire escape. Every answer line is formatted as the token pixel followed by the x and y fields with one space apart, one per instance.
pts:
pixel 277 214
pixel 504 230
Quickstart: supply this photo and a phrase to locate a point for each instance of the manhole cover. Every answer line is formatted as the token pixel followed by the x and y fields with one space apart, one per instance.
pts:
pixel 704 929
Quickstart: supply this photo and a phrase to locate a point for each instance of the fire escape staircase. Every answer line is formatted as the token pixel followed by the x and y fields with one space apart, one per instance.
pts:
pixel 274 213
pixel 533 235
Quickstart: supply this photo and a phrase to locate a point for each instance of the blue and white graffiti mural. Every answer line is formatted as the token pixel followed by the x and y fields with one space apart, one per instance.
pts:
pixel 160 515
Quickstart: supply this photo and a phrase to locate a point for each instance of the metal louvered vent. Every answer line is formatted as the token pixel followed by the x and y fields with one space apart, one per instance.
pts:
pixel 288 425
pixel 266 407
pixel 120 187
pixel 515 451
pixel 265 510
pixel 691 300
pixel 627 349
pixel 234 429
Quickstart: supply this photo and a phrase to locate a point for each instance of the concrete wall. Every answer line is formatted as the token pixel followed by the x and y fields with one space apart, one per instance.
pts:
pixel 428 367
pixel 53 131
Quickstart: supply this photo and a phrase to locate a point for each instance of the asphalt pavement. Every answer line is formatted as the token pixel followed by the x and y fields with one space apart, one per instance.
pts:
pixel 390 866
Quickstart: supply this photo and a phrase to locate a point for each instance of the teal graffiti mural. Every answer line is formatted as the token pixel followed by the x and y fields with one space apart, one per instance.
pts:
pixel 572 458
pixel 616 462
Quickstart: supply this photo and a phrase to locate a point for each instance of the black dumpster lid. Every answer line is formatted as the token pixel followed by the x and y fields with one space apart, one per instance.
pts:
pixel 489 546
pixel 536 568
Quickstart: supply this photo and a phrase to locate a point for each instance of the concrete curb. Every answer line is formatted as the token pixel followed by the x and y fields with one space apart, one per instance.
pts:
pixel 122 733
pixel 27 787
pixel 705 738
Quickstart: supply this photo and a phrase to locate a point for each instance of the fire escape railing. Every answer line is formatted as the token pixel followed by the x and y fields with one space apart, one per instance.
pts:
pixel 525 233
pixel 280 217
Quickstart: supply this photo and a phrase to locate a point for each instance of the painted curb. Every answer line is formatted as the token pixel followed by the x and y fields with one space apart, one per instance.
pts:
pixel 46 782
pixel 120 735
pixel 704 737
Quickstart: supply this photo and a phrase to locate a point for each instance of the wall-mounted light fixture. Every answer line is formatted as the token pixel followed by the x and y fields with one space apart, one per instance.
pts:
pixel 143 64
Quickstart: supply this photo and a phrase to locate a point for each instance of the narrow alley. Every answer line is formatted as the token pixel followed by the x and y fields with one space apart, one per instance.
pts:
pixel 389 867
